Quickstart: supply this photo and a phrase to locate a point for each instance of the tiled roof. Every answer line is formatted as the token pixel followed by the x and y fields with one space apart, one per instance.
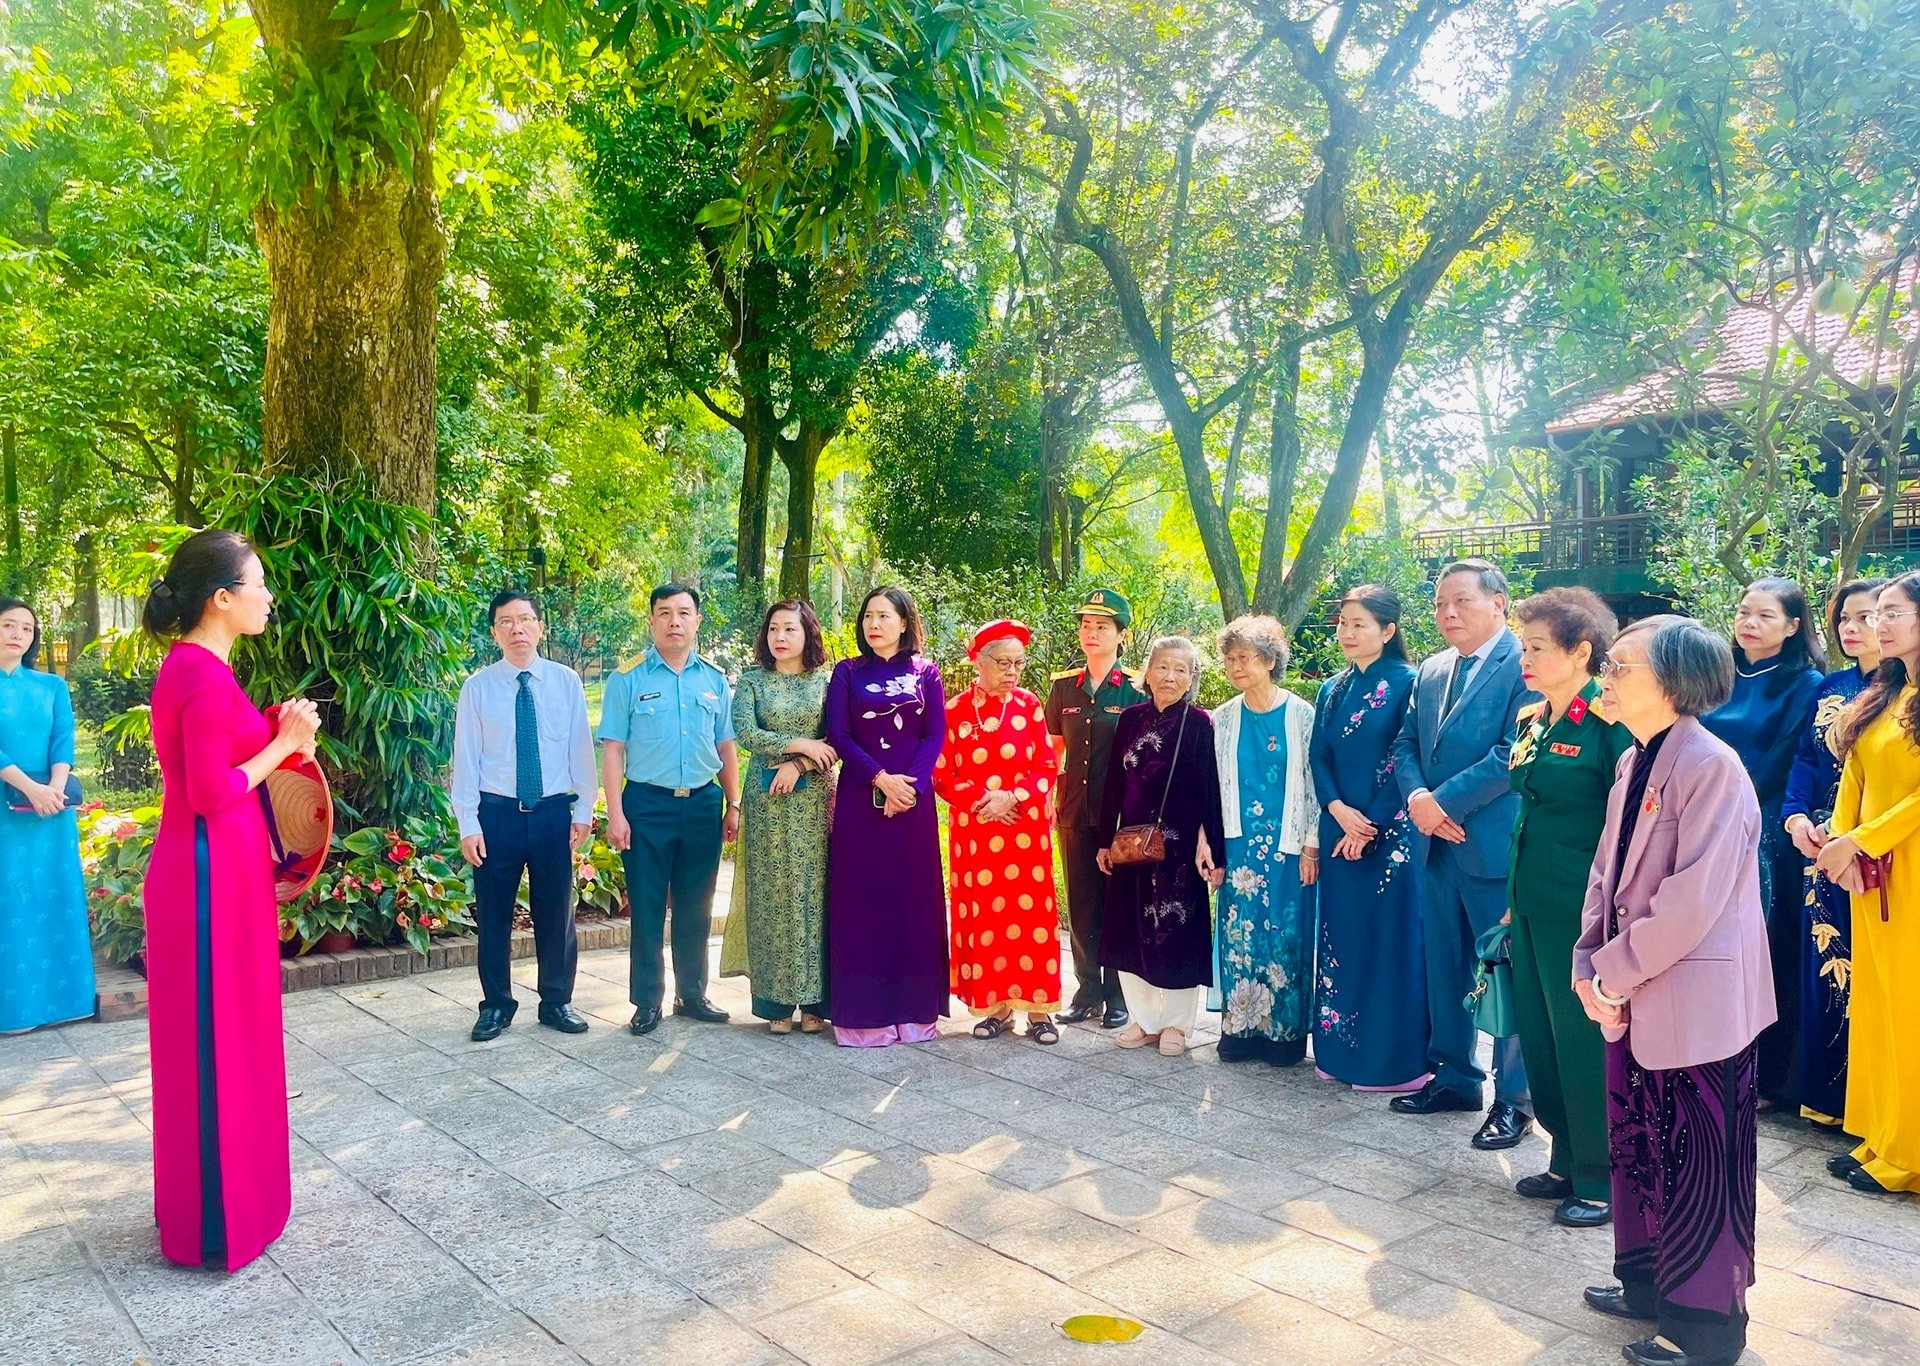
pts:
pixel 1744 341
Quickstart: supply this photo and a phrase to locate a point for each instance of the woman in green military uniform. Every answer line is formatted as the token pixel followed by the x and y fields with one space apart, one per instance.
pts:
pixel 1564 757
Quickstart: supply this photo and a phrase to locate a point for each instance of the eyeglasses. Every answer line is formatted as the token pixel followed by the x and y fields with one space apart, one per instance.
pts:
pixel 1013 665
pixel 516 621
pixel 1613 668
pixel 1897 614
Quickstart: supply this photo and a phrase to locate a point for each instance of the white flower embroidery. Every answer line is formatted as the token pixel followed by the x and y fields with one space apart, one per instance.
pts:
pixel 1249 1007
pixel 1173 909
pixel 1277 977
pixel 1245 881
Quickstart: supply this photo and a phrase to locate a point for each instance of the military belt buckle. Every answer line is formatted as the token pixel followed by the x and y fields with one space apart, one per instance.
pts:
pixel 683 792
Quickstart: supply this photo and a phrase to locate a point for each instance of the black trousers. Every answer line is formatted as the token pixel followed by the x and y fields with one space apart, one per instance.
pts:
pixel 1086 911
pixel 538 844
pixel 675 849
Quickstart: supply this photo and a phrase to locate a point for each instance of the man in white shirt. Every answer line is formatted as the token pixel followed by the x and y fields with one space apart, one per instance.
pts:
pixel 523 790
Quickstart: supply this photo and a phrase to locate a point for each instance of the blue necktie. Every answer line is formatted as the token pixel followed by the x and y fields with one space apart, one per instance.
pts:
pixel 1457 685
pixel 529 787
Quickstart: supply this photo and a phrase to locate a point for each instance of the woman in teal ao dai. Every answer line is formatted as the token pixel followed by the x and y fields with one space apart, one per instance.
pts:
pixel 46 952
pixel 1266 905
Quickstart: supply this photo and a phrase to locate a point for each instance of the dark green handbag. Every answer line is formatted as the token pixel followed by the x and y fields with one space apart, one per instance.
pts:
pixel 1491 1000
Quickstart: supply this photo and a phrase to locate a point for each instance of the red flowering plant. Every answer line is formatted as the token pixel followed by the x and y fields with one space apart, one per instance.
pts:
pixel 114 848
pixel 599 877
pixel 382 882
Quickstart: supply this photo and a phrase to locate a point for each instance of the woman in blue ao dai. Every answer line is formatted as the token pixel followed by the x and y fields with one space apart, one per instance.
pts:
pixel 46 950
pixel 1370 1013
pixel 1266 905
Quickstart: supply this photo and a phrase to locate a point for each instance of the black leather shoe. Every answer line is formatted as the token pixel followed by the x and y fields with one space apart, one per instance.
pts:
pixel 1545 1186
pixel 492 1023
pixel 563 1018
pixel 1844 1165
pixel 1580 1214
pixel 1612 1299
pixel 1117 1018
pixel 1652 1353
pixel 645 1020
pixel 1081 1014
pixel 1861 1181
pixel 702 1010
pixel 1432 1099
pixel 1505 1127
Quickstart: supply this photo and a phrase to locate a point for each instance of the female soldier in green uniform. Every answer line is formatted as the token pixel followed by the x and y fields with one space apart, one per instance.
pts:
pixel 1563 762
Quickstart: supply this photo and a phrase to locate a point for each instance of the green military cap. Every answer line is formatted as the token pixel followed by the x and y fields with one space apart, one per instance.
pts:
pixel 1104 602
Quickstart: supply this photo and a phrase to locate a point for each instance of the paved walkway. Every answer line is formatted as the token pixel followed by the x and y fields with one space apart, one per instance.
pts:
pixel 713 1195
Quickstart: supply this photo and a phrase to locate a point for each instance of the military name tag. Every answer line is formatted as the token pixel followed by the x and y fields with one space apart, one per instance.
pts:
pixel 1560 747
pixel 646 697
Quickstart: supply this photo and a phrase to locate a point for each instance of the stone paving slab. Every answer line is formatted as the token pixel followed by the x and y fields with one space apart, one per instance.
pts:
pixel 714 1195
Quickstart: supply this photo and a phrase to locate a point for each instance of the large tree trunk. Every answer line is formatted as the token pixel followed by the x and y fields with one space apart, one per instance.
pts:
pixel 801 456
pixel 86 593
pixel 186 462
pixel 354 278
pixel 757 435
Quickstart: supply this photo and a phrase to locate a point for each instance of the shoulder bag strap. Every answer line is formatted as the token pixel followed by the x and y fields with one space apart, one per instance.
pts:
pixel 1173 763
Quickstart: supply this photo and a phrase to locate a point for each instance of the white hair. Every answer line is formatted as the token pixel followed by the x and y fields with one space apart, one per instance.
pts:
pixel 1180 645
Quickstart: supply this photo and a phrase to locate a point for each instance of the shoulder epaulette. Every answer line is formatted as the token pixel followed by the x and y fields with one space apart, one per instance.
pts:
pixel 1064 673
pixel 1598 712
pixel 627 665
pixel 1531 712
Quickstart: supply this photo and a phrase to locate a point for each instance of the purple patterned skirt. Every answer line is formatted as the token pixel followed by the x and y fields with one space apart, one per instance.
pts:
pixel 1682 1145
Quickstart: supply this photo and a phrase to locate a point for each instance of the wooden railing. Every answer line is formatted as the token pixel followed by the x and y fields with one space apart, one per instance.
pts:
pixel 1587 542
pixel 1573 544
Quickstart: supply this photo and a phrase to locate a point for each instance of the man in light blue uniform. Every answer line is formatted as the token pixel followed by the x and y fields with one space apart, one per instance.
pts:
pixel 667 750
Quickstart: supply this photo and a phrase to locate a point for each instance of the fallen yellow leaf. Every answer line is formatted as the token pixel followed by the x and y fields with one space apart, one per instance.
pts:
pixel 1102 1328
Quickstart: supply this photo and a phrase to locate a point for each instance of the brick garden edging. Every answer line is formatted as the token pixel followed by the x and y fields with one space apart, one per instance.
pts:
pixel 122 992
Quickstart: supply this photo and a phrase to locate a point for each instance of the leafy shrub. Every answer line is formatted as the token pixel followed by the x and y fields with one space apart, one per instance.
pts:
pixel 114 849
pixel 115 705
pixel 364 627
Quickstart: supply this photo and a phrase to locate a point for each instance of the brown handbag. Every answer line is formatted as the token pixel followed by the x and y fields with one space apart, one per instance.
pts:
pixel 1136 844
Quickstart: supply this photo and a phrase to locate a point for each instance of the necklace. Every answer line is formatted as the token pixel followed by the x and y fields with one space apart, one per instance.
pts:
pixel 1756 673
pixel 989 727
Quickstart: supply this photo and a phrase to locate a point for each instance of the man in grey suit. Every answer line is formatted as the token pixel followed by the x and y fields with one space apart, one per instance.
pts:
pixel 1451 763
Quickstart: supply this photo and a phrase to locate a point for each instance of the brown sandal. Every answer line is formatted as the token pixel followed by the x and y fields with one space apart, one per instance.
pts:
pixel 780 1026
pixel 992 1027
pixel 811 1024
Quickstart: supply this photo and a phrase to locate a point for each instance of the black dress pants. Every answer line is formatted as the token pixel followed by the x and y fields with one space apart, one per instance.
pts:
pixel 1086 911
pixel 536 843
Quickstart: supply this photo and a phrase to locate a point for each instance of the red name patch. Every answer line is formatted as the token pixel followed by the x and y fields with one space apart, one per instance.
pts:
pixel 1560 748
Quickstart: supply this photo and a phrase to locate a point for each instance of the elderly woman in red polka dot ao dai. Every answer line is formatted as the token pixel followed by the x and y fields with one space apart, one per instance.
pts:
pixel 996 774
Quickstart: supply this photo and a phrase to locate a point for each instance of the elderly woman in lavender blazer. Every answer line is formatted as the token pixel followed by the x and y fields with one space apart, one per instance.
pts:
pixel 1672 964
